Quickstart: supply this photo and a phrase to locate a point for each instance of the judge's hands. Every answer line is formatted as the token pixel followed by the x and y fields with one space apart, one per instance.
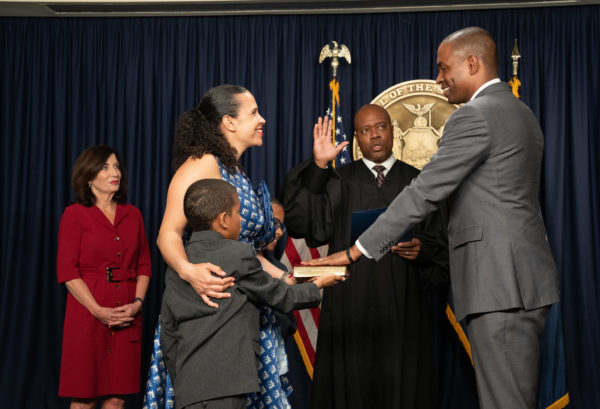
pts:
pixel 323 149
pixel 201 278
pixel 336 259
pixel 408 249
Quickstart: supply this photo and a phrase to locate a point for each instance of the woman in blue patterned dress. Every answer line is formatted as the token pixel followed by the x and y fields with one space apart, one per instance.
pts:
pixel 209 141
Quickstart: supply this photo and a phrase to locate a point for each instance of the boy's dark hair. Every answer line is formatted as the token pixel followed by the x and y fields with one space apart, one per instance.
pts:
pixel 205 199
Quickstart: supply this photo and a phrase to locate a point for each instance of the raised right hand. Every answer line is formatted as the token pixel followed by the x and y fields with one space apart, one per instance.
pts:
pixel 323 149
pixel 201 278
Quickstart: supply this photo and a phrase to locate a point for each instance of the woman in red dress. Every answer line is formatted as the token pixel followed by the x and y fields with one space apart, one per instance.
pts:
pixel 104 261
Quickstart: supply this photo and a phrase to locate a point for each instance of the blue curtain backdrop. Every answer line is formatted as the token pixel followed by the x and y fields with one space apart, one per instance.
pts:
pixel 66 84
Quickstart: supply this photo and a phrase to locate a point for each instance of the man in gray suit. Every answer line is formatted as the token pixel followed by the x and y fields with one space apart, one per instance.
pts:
pixel 487 168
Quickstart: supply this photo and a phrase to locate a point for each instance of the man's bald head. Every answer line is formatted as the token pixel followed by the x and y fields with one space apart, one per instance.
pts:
pixel 467 59
pixel 373 132
pixel 370 107
pixel 478 42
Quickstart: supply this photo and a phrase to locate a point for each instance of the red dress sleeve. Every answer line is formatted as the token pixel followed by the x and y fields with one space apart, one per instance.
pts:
pixel 69 242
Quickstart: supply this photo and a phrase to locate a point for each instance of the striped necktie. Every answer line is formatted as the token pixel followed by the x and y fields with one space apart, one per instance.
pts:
pixel 379 169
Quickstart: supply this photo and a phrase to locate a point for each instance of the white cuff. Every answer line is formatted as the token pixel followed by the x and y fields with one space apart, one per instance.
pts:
pixel 362 250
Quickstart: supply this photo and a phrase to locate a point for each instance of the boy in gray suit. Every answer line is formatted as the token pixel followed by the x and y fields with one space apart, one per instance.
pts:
pixel 211 353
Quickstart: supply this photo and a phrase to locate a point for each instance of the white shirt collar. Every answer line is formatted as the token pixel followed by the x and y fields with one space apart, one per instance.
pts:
pixel 487 84
pixel 388 163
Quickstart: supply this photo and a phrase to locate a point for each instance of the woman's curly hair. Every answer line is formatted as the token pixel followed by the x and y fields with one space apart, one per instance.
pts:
pixel 198 130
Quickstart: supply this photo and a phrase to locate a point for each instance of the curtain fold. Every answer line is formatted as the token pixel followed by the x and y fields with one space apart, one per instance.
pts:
pixel 68 83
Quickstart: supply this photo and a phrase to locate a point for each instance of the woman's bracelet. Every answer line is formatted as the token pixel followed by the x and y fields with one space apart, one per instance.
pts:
pixel 139 299
pixel 285 275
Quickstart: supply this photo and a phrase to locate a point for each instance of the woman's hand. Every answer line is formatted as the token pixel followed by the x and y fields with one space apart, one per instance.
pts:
pixel 131 309
pixel 113 317
pixel 126 314
pixel 169 240
pixel 323 149
pixel 201 278
pixel 408 249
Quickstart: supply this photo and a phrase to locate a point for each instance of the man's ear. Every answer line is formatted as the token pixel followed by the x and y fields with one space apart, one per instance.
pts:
pixel 473 64
pixel 227 123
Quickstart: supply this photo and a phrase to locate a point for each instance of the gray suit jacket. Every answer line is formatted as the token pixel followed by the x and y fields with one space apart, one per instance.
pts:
pixel 212 352
pixel 488 169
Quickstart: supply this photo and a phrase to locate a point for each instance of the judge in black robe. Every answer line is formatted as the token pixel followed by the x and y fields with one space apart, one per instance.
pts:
pixel 375 344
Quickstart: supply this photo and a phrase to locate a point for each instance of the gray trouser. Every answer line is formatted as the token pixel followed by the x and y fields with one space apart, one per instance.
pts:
pixel 228 402
pixel 506 346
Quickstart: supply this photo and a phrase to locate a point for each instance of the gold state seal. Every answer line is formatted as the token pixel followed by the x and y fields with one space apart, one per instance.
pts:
pixel 419 111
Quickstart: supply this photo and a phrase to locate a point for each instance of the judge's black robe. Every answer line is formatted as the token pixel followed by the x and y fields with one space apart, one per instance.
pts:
pixel 375 344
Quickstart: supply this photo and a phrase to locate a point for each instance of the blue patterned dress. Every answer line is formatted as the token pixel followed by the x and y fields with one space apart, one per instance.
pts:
pixel 258 229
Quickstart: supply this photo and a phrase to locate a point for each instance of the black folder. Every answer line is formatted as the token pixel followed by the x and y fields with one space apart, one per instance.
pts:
pixel 362 220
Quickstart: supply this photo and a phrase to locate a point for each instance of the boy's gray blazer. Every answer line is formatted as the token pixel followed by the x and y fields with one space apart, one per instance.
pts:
pixel 212 352
pixel 488 169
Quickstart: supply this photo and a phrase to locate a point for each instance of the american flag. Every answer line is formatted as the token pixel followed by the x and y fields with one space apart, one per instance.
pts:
pixel 296 250
pixel 337 125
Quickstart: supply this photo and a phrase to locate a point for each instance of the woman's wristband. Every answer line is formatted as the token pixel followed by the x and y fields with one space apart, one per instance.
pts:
pixel 139 299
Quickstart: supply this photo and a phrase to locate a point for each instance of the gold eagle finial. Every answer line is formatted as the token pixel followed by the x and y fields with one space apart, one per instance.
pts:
pixel 335 52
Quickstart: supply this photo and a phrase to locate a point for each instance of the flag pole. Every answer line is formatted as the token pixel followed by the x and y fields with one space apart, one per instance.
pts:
pixel 334 86
pixel 514 81
pixel 334 51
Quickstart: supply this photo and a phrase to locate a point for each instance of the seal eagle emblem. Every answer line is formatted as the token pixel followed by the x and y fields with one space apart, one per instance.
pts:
pixel 419 111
